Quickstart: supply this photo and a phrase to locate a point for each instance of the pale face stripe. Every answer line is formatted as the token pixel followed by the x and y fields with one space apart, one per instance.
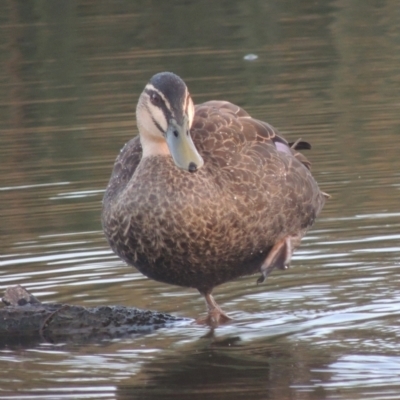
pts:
pixel 158 117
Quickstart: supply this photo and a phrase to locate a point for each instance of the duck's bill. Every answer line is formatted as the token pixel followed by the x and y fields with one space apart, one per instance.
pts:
pixel 182 148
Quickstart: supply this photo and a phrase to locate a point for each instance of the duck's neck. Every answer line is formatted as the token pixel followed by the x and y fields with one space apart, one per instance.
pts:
pixel 153 147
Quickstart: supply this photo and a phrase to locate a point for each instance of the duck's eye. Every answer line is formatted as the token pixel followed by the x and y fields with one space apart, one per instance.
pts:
pixel 155 99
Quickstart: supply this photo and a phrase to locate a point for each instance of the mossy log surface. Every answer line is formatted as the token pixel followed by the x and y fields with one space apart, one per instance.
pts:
pixel 26 317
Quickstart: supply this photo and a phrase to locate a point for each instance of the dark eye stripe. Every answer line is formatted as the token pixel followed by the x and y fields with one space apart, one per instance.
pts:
pixel 161 105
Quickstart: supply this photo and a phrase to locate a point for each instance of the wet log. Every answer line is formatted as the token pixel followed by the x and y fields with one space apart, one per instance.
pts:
pixel 25 317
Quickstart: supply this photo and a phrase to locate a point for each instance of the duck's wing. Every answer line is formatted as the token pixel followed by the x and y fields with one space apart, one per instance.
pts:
pixel 221 114
pixel 125 165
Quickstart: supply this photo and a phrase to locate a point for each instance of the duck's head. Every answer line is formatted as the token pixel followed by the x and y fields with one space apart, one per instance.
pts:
pixel 164 115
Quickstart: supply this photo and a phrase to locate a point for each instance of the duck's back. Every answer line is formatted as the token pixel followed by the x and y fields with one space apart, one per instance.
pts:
pixel 256 167
pixel 202 229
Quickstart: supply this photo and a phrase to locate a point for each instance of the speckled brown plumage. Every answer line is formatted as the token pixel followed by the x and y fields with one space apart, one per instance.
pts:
pixel 205 228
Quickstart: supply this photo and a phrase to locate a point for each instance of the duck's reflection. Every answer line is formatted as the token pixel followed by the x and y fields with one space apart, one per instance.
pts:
pixel 227 368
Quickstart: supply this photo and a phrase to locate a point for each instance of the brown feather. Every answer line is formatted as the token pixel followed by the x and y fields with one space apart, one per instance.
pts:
pixel 205 228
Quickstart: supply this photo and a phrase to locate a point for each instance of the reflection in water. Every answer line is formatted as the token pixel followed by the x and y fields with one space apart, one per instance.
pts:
pixel 228 369
pixel 328 72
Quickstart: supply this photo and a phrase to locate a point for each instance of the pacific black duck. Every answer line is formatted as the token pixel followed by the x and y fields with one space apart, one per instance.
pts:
pixel 206 193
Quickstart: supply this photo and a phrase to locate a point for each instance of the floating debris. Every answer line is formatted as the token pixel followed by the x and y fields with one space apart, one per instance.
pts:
pixel 250 57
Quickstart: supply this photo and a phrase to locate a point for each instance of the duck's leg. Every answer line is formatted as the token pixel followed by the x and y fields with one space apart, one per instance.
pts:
pixel 278 257
pixel 215 315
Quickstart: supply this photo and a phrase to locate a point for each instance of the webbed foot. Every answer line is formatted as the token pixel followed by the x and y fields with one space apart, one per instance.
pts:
pixel 215 316
pixel 278 257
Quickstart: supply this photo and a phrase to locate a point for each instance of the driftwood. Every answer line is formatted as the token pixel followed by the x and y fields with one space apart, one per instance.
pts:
pixel 25 317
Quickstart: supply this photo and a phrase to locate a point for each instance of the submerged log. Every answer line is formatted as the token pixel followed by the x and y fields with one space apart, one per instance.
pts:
pixel 25 317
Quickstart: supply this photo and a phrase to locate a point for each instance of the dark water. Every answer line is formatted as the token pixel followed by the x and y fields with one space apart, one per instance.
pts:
pixel 327 71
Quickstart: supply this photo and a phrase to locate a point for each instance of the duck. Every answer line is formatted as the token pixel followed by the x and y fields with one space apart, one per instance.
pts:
pixel 205 194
